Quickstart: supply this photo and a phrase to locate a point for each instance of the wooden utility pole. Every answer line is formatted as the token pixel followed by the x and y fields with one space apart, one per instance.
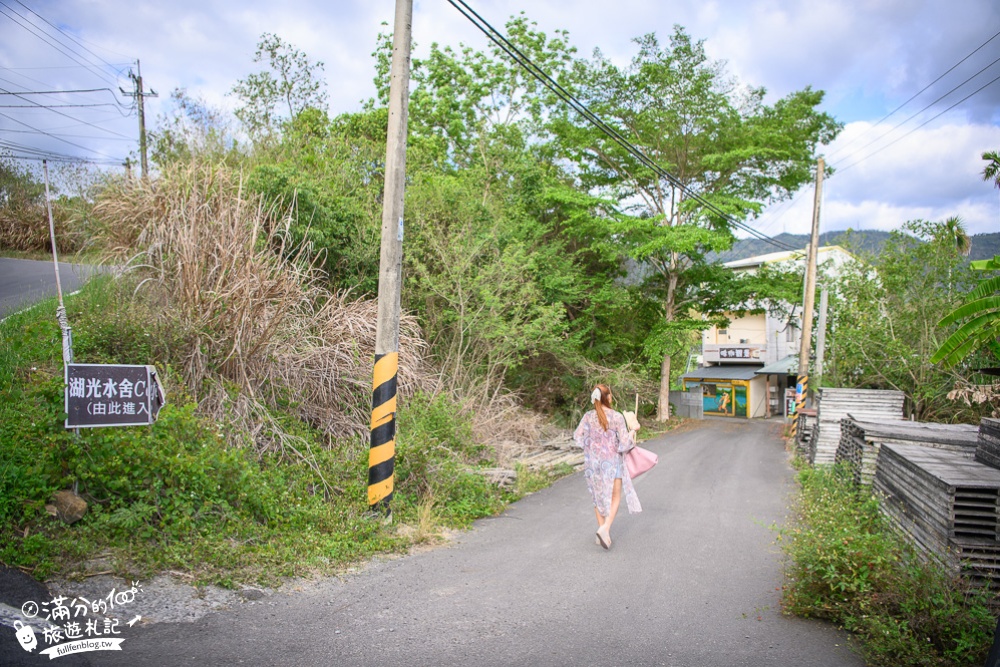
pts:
pixel 809 301
pixel 821 336
pixel 140 96
pixel 381 455
pixel 809 298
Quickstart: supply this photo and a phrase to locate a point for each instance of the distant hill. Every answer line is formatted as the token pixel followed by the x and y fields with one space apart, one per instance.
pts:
pixel 865 242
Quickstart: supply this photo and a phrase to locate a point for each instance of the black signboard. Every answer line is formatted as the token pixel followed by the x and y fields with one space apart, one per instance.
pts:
pixel 112 395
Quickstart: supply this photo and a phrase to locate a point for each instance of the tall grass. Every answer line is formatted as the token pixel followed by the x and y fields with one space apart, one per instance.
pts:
pixel 251 331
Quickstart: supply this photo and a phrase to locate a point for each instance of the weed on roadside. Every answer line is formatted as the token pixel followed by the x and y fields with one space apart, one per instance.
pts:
pixel 846 564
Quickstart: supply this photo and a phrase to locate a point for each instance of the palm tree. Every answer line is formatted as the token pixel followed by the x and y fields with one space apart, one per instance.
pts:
pixel 991 172
pixel 955 230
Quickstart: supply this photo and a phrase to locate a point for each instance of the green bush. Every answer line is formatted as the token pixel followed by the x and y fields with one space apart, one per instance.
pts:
pixel 847 565
pixel 436 458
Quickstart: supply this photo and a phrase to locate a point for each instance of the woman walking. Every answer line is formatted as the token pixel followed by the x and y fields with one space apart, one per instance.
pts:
pixel 605 438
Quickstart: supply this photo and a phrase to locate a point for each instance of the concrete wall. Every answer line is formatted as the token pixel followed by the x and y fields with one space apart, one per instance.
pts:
pixel 687 404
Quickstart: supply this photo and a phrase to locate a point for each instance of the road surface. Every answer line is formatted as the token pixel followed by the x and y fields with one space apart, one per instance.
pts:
pixel 692 581
pixel 24 282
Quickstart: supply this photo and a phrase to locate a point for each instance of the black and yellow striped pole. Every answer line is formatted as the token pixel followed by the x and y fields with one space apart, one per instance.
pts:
pixel 382 454
pixel 801 389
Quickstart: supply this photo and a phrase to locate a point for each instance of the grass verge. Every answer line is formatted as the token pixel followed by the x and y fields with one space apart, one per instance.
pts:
pixel 845 564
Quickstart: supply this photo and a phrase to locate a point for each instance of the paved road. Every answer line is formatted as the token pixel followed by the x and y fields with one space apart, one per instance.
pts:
pixel 692 581
pixel 684 583
pixel 25 281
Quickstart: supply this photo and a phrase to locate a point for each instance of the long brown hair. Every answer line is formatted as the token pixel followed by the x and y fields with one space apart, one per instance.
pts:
pixel 605 402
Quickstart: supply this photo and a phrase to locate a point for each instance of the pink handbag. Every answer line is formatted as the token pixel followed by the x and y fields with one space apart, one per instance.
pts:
pixel 639 460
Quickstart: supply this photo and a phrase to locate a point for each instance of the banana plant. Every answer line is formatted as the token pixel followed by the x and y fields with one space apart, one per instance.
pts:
pixel 980 315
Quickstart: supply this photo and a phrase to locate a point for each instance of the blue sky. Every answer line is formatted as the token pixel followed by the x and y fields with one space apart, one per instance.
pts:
pixel 869 56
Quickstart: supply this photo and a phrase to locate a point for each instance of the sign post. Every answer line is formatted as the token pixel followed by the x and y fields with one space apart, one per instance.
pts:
pixel 112 395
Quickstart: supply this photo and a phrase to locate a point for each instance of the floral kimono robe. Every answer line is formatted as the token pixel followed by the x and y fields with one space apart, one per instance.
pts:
pixel 602 459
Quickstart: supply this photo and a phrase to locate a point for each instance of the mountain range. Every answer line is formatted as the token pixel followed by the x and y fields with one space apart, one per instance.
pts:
pixel 865 242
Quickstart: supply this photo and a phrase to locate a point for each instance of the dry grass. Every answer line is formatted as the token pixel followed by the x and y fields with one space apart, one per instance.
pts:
pixel 240 316
pixel 25 228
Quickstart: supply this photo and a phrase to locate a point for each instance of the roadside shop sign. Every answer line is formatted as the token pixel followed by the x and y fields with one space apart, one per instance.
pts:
pixel 112 395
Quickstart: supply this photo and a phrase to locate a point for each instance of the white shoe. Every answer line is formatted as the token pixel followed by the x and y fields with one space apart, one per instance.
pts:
pixel 604 537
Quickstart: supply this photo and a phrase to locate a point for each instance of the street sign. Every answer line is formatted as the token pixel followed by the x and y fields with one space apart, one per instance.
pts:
pixel 112 395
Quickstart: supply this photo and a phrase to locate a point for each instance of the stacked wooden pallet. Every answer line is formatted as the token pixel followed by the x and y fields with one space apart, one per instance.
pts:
pixel 805 431
pixel 988 449
pixel 946 502
pixel 860 441
pixel 551 455
pixel 872 405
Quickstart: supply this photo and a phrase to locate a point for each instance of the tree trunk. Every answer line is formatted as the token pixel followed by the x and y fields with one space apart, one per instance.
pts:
pixel 663 406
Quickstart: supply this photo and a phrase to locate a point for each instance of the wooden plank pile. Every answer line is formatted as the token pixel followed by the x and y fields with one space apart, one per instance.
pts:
pixel 948 503
pixel 805 431
pixel 871 405
pixel 988 450
pixel 860 441
pixel 552 453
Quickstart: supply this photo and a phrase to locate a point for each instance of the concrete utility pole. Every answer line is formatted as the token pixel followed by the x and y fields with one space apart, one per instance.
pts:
pixel 139 96
pixel 802 388
pixel 381 455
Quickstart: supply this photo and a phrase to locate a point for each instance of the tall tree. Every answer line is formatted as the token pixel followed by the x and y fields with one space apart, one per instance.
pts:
pixel 291 84
pixel 729 154
pixel 886 318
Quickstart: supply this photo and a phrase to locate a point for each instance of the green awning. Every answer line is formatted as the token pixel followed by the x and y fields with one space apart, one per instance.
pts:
pixel 734 372
pixel 787 366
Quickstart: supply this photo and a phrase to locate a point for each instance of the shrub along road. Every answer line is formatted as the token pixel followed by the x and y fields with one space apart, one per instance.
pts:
pixel 691 581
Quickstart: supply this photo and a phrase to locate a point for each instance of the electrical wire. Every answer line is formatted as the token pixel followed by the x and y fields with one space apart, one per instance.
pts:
pixel 934 117
pixel 78 120
pixel 501 41
pixel 61 47
pixel 915 96
pixel 63 32
pixel 911 117
pixel 48 134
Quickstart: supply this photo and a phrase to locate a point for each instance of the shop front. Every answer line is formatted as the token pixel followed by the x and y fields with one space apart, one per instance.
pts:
pixel 729 391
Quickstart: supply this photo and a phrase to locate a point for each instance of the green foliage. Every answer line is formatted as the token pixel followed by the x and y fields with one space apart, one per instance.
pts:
pixel 292 81
pixel 979 316
pixel 436 458
pixel 885 317
pixel 721 141
pixel 176 495
pixel 192 129
pixel 846 565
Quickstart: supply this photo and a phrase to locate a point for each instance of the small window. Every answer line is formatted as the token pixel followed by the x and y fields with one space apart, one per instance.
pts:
pixel 723 332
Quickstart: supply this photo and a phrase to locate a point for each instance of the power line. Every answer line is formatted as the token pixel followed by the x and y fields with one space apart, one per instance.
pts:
pixel 882 148
pixel 58 46
pixel 36 107
pixel 911 117
pixel 918 93
pixel 67 136
pixel 65 141
pixel 500 40
pixel 63 32
pixel 59 92
pixel 78 120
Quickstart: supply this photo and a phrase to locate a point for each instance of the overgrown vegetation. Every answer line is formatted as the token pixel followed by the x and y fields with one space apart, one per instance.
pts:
pixel 846 565
pixel 192 493
pixel 885 323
